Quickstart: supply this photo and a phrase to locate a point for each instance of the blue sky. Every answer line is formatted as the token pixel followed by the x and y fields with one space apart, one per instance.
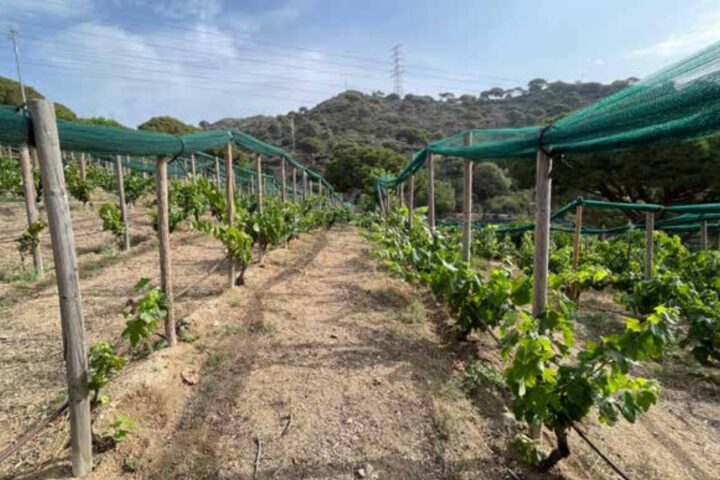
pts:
pixel 209 59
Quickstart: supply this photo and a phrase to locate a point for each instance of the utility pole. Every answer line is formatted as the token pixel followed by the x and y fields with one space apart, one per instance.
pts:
pixel 398 70
pixel 13 35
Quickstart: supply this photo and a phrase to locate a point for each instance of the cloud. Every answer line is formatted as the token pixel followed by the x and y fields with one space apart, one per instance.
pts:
pixel 702 34
pixel 63 9
pixel 598 62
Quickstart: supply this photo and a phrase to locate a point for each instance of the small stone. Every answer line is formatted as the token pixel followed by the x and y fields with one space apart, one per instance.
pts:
pixel 361 473
pixel 190 377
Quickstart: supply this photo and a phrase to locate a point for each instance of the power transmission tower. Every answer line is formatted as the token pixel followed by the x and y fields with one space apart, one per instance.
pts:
pixel 398 69
pixel 13 35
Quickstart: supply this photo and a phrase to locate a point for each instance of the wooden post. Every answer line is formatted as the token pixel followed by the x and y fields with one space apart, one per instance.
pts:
pixel 431 190
pixel 319 186
pixel 163 219
pixel 82 166
pixel 381 203
pixel 121 198
pixel 284 180
pixel 704 235
pixel 467 209
pixel 402 195
pixel 411 200
pixel 260 183
pixel 649 244
pixel 576 239
pixel 305 185
pixel 192 167
pixel 387 199
pixel 68 283
pixel 543 192
pixel 217 173
pixel 295 190
pixel 30 209
pixel 230 200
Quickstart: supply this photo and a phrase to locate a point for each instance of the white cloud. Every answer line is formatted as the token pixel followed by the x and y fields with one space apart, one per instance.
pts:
pixel 700 35
pixel 17 9
pixel 598 62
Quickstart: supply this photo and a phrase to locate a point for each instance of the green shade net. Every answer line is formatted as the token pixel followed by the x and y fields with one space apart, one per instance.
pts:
pixel 684 222
pixel 101 141
pixel 678 103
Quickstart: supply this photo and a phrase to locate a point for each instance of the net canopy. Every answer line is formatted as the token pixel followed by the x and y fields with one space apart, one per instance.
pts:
pixel 680 102
pixel 104 142
pixel 674 221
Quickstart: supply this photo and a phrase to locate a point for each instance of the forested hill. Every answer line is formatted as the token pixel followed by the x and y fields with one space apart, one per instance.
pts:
pixel 405 124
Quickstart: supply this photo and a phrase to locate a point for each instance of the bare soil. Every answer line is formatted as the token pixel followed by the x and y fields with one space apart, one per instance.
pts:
pixel 323 366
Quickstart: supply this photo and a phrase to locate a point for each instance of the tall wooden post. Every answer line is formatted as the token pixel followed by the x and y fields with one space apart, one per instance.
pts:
pixel 123 206
pixel 30 209
pixel 543 187
pixel 295 190
pixel 217 173
pixel 576 238
pixel 192 167
pixel 704 235
pixel 68 283
pixel 467 209
pixel 163 219
pixel 387 199
pixel 320 186
pixel 305 185
pixel 260 183
pixel 649 244
pixel 431 190
pixel 82 167
pixel 230 202
pixel 402 195
pixel 411 200
pixel 284 180
pixel 543 192
pixel 381 203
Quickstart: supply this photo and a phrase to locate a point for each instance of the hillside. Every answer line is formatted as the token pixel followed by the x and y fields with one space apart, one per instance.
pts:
pixel 405 124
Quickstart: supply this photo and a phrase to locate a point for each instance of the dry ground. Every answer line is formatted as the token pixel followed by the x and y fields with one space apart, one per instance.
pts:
pixel 336 369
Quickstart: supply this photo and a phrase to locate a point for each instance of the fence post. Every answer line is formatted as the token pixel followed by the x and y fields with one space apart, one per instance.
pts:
pixel 467 209
pixel 649 244
pixel 295 185
pixel 123 206
pixel 305 185
pixel 381 202
pixel 192 167
pixel 431 190
pixel 217 173
pixel 704 235
pixel 30 208
pixel 68 282
pixel 82 166
pixel 163 219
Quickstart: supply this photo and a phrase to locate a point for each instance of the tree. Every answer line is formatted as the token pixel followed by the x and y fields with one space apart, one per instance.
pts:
pixel 10 94
pixel 416 137
pixel 444 194
pixel 166 124
pixel 103 122
pixel 489 181
pixel 311 145
pixel 537 85
pixel 350 165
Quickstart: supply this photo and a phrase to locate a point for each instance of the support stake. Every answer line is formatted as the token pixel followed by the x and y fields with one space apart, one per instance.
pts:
pixel 163 219
pixel 123 206
pixel 431 190
pixel 649 244
pixel 30 208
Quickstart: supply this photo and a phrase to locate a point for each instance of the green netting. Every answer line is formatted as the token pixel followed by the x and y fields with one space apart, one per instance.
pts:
pixel 16 130
pixel 678 103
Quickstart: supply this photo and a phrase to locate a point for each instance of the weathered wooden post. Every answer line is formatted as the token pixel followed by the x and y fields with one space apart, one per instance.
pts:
pixel 543 191
pixel 163 219
pixel 230 202
pixel 402 195
pixel 305 185
pixel 68 283
pixel 704 235
pixel 381 202
pixel 30 208
pixel 260 183
pixel 467 203
pixel 295 189
pixel 284 181
pixel 192 167
pixel 431 190
pixel 576 238
pixel 217 173
pixel 387 199
pixel 411 200
pixel 82 167
pixel 123 206
pixel 649 244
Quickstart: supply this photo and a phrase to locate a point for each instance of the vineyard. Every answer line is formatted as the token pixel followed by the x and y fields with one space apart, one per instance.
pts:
pixel 225 313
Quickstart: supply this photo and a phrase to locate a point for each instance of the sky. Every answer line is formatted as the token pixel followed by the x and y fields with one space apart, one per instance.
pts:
pixel 210 59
